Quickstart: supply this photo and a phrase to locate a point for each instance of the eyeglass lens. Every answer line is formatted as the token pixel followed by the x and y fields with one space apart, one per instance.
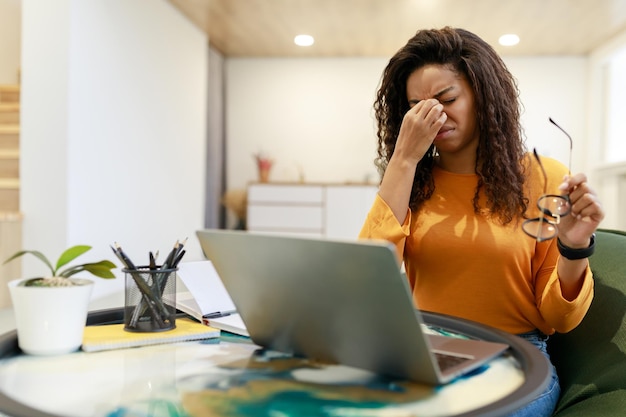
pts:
pixel 554 205
pixel 540 229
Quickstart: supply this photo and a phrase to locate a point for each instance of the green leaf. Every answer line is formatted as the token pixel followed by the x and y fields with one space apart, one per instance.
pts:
pixel 70 271
pixel 100 269
pixel 70 254
pixel 106 263
pixel 35 253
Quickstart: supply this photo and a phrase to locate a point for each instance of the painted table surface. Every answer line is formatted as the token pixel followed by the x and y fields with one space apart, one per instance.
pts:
pixel 230 376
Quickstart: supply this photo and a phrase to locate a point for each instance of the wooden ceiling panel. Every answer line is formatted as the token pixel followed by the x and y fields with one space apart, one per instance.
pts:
pixel 266 28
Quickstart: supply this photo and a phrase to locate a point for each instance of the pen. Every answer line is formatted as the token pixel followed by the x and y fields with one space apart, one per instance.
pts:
pixel 176 254
pixel 148 296
pixel 173 258
pixel 172 255
pixel 122 256
pixel 178 258
pixel 218 314
pixel 152 261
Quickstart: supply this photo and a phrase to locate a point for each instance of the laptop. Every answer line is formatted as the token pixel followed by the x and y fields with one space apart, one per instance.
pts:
pixel 343 302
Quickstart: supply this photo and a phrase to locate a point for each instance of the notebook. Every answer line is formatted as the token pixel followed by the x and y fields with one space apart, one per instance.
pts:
pixel 344 302
pixel 113 336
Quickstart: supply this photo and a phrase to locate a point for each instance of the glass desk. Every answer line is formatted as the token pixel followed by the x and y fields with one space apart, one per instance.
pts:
pixel 230 376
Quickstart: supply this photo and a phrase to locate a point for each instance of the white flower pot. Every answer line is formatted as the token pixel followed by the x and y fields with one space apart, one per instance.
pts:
pixel 50 320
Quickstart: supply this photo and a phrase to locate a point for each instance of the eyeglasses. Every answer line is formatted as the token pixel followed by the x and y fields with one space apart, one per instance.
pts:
pixel 551 207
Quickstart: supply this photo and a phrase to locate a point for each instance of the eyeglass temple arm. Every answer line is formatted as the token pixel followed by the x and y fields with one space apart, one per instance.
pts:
pixel 543 171
pixel 571 142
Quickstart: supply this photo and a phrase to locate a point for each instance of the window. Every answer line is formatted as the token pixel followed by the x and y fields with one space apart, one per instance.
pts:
pixel 615 145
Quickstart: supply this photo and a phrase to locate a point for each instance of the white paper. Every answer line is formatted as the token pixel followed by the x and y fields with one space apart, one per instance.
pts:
pixel 204 292
pixel 232 323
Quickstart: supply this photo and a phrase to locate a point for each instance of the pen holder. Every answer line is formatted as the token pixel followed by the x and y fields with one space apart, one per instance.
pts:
pixel 150 299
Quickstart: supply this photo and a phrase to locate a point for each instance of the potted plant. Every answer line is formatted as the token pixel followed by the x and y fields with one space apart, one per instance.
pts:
pixel 51 312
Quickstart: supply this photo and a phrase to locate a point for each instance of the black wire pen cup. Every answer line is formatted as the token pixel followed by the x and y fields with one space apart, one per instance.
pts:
pixel 150 299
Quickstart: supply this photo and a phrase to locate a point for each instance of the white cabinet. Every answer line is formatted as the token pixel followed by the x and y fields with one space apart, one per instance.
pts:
pixel 346 209
pixel 286 209
pixel 320 210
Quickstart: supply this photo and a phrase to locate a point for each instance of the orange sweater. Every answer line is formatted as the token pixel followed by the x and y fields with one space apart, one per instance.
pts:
pixel 465 265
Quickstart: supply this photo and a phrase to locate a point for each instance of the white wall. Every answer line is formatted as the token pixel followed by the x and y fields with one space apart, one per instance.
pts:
pixel 317 113
pixel 309 114
pixel 44 127
pixel 113 129
pixel 554 87
pixel 10 40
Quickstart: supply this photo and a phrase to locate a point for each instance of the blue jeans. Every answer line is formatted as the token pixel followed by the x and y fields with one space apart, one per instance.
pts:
pixel 545 403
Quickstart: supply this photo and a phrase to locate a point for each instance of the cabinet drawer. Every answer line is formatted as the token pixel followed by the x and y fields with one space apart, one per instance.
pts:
pixel 292 194
pixel 265 217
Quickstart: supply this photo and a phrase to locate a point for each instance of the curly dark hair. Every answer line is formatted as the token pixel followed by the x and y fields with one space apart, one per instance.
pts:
pixel 501 147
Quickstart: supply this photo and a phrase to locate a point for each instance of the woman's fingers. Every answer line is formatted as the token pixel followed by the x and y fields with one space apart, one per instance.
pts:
pixel 583 199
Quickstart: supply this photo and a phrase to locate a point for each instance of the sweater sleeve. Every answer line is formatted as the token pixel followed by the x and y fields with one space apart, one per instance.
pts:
pixel 381 223
pixel 561 314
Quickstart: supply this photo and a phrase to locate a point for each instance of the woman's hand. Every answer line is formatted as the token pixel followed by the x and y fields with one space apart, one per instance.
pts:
pixel 576 229
pixel 420 126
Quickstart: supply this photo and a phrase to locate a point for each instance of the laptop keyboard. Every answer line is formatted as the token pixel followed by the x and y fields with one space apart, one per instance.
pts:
pixel 448 361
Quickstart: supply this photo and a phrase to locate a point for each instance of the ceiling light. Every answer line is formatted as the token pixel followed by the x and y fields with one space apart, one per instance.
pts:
pixel 510 39
pixel 304 40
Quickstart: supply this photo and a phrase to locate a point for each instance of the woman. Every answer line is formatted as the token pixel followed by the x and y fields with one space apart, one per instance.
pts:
pixel 457 187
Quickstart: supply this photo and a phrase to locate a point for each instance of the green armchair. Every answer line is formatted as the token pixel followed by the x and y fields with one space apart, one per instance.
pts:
pixel 591 359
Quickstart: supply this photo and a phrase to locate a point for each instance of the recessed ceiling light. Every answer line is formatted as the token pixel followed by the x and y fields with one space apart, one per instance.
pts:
pixel 304 40
pixel 510 39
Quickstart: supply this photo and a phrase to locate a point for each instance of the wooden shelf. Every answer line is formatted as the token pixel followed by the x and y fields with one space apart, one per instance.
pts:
pixel 10 183
pixel 9 153
pixel 10 216
pixel 9 93
pixel 9 147
pixel 9 107
pixel 9 113
pixel 10 137
pixel 11 129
